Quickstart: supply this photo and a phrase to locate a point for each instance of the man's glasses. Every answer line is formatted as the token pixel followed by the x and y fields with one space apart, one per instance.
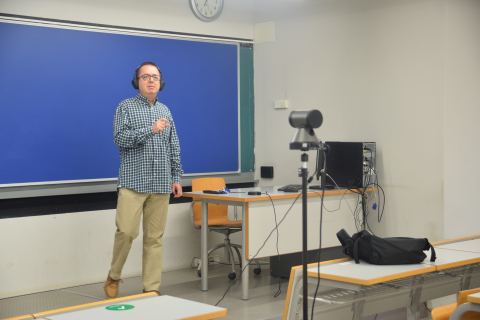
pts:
pixel 148 77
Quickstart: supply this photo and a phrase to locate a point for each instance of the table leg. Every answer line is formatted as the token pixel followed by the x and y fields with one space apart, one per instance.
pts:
pixel 414 310
pixel 295 303
pixel 245 262
pixel 466 278
pixel 204 246
pixel 358 305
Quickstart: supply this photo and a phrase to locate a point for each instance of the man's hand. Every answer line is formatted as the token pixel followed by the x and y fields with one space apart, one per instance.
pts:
pixel 177 190
pixel 160 125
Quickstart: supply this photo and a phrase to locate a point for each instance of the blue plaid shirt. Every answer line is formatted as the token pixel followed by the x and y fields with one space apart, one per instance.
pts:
pixel 149 162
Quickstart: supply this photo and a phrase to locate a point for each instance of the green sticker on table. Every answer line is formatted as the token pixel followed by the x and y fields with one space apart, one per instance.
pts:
pixel 120 307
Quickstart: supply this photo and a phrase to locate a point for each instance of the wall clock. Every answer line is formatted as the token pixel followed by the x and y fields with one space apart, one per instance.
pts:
pixel 206 10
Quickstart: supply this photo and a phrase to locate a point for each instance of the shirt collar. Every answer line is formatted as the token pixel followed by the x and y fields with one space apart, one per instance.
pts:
pixel 144 99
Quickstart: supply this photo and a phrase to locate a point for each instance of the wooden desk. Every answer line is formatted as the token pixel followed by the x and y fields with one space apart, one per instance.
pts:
pixel 362 289
pixel 473 304
pixel 145 308
pixel 258 223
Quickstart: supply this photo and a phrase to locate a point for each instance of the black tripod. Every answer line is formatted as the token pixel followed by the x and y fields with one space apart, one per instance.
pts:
pixel 304 175
pixel 305 140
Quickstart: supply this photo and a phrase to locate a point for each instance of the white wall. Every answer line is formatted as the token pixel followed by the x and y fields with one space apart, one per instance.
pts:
pixel 379 71
pixel 165 15
pixel 461 114
pixel 57 251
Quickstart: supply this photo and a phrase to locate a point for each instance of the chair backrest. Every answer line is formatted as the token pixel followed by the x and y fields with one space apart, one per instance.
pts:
pixel 462 298
pixel 462 295
pixel 217 213
pixel 444 312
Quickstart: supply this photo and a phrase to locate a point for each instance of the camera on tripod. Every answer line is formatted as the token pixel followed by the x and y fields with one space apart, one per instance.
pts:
pixel 305 121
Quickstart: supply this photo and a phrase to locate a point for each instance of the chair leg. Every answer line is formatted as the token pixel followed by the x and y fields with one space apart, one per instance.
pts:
pixel 232 275
pixel 215 248
pixel 228 250
pixel 199 268
pixel 229 256
pixel 232 258
pixel 225 253
pixel 257 269
pixel 236 247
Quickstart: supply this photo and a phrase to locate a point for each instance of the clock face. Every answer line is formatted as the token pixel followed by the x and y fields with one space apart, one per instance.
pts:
pixel 207 10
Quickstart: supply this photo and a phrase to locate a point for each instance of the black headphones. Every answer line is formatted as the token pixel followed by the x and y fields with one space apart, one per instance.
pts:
pixel 135 75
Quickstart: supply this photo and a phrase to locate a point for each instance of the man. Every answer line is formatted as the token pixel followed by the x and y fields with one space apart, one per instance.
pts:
pixel 150 170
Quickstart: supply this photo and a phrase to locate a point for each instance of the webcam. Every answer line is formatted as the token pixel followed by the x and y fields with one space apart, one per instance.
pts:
pixel 305 121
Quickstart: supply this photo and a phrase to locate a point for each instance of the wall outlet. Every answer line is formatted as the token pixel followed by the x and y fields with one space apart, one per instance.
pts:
pixel 281 104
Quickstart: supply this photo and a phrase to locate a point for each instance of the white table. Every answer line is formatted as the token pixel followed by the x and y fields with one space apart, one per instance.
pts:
pixel 448 258
pixel 469 245
pixel 258 222
pixel 364 289
pixel 365 274
pixel 149 308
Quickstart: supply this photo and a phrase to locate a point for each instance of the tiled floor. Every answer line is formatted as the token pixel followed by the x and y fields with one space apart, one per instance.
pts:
pixel 181 283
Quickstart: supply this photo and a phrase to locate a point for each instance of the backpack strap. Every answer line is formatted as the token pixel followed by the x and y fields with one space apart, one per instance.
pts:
pixel 355 250
pixel 433 256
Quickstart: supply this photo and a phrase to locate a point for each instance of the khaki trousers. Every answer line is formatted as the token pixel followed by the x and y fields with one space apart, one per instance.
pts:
pixel 130 207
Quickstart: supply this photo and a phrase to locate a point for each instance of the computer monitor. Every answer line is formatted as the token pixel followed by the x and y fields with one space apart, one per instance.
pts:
pixel 343 163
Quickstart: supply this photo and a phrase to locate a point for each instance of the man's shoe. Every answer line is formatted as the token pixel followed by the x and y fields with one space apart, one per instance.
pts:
pixel 111 287
pixel 156 291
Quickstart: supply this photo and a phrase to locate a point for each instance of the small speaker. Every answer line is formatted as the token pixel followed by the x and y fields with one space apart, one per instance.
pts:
pixel 266 172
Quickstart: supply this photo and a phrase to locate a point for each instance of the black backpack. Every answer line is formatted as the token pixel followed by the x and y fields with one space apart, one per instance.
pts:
pixel 384 251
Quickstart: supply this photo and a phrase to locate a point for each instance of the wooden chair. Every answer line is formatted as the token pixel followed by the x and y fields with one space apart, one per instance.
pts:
pixel 444 312
pixel 218 221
